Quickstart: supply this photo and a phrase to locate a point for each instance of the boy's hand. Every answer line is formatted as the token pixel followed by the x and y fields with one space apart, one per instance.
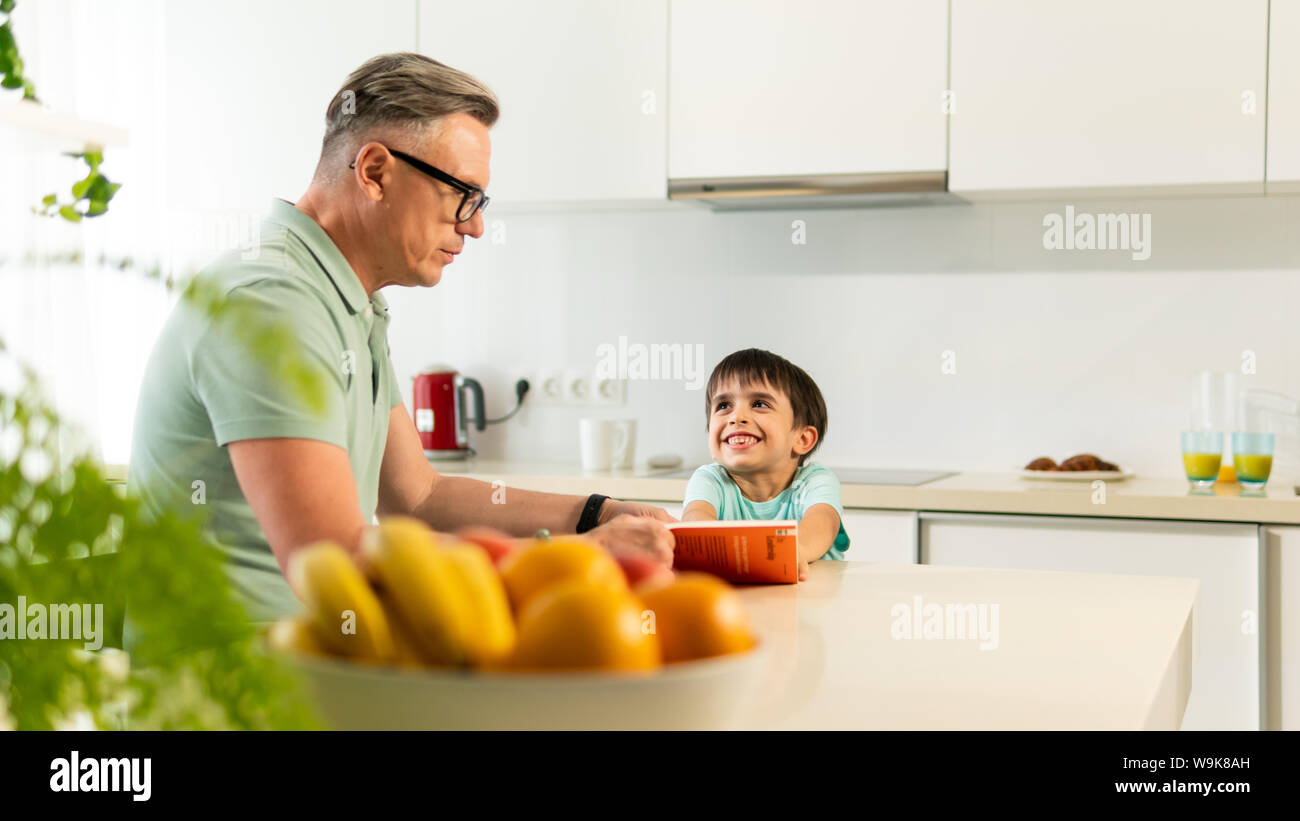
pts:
pixel 643 534
pixel 817 531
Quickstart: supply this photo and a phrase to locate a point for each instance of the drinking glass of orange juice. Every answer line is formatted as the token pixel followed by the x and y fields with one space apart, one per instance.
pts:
pixel 1202 452
pixel 1252 456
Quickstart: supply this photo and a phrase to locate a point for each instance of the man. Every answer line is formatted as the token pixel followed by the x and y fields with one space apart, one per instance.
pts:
pixel 398 189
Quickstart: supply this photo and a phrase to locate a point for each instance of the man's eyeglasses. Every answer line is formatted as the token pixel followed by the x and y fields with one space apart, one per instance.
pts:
pixel 472 198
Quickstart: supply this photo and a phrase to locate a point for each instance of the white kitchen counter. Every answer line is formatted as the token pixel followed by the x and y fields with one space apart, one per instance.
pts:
pixel 1074 651
pixel 1138 497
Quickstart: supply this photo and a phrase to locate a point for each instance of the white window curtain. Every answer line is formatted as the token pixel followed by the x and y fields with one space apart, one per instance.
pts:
pixel 87 329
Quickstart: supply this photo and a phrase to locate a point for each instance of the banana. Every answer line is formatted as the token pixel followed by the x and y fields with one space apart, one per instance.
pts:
pixel 425 588
pixel 407 650
pixel 491 637
pixel 338 597
pixel 297 634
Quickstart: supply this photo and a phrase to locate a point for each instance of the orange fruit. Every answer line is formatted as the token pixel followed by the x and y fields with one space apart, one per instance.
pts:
pixel 696 616
pixel 569 558
pixel 581 625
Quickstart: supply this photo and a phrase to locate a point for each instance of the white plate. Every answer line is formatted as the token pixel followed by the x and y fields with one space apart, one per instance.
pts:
pixel 709 694
pixel 1074 475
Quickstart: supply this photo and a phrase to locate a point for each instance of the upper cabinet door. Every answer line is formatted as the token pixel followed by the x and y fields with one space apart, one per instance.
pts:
pixel 1284 96
pixel 581 85
pixel 782 88
pixel 1108 94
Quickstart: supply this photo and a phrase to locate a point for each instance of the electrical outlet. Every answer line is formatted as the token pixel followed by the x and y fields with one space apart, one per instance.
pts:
pixel 577 387
pixel 572 387
pixel 610 393
pixel 547 387
pixel 512 378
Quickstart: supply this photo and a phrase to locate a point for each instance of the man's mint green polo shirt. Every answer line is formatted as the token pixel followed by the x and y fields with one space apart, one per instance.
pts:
pixel 203 388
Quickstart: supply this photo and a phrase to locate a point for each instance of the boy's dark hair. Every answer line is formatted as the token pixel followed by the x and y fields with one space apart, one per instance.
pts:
pixel 754 367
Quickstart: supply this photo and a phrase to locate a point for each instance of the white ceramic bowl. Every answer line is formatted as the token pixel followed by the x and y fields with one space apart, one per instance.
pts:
pixel 710 694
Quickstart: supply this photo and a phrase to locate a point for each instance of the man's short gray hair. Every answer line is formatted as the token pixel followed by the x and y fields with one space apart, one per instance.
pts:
pixel 405 90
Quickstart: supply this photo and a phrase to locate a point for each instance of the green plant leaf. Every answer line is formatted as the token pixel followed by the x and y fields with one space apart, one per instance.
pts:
pixel 100 189
pixel 198 664
pixel 95 189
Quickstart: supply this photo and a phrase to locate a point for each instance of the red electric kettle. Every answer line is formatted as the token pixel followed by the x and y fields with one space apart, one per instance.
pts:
pixel 443 403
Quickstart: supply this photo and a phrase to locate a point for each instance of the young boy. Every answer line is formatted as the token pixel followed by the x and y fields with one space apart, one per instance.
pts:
pixel 766 417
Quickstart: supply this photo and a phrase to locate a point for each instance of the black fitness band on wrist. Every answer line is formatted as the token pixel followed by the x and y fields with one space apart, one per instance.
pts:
pixel 591 512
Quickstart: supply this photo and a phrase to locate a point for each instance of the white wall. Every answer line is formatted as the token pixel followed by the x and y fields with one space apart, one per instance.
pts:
pixel 1056 351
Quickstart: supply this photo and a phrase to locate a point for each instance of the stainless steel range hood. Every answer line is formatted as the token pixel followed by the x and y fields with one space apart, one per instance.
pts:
pixel 825 190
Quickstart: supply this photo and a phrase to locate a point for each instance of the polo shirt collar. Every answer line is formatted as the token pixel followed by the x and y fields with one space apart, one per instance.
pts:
pixel 328 256
pixel 380 305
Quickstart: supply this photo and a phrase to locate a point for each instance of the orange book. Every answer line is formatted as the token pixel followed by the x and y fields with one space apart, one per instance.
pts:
pixel 740 550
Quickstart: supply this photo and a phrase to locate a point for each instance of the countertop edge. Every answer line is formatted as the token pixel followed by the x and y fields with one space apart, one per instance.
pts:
pixel 947 495
pixel 939 499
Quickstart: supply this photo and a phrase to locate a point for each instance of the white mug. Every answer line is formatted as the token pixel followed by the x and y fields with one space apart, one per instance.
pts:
pixel 600 441
pixel 626 453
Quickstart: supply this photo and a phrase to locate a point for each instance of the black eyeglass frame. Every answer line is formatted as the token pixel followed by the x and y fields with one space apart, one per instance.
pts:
pixel 466 190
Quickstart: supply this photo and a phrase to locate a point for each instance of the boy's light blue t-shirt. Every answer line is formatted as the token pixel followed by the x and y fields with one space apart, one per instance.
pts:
pixel 812 485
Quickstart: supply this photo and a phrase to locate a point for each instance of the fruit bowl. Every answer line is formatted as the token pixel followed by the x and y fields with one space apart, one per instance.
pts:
pixel 709 694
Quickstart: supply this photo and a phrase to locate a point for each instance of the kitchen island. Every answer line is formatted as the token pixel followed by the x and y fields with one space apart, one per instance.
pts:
pixel 858 646
pixel 848 649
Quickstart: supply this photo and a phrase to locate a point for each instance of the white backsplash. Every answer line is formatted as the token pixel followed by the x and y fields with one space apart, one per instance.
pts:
pixel 1056 352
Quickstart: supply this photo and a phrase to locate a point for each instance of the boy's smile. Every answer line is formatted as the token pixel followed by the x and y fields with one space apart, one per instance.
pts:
pixel 740 440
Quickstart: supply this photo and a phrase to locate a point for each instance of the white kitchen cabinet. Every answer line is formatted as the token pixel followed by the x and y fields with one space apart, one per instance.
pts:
pixel 1108 94
pixel 887 536
pixel 1225 558
pixel 1282 626
pixel 778 88
pixel 247 86
pixel 1284 96
pixel 582 87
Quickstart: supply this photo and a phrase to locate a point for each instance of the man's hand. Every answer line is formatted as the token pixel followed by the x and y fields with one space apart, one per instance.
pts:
pixel 644 534
pixel 613 508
